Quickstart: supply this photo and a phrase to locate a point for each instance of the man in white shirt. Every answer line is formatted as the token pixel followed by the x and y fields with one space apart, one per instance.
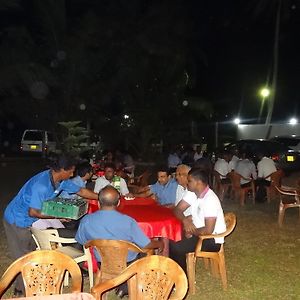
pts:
pixel 206 218
pixel 198 154
pixel 182 179
pixel 222 167
pixel 109 178
pixel 265 167
pixel 246 168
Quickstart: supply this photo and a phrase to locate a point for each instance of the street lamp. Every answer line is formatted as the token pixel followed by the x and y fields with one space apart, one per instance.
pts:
pixel 236 121
pixel 293 121
pixel 264 93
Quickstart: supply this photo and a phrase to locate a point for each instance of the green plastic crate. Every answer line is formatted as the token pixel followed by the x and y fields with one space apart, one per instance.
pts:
pixel 65 208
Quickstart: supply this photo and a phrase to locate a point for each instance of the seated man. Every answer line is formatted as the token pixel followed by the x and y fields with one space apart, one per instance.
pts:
pixel 164 189
pixel 182 179
pixel 108 223
pixel 246 168
pixel 109 178
pixel 207 218
pixel 265 167
pixel 222 167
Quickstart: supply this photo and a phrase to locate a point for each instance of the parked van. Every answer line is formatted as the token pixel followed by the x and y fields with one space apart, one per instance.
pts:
pixel 40 141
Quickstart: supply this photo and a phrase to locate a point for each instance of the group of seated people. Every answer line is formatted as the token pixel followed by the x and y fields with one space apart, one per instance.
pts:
pixel 242 163
pixel 189 195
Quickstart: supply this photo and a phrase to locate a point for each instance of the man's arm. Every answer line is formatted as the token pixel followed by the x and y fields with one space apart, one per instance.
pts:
pixel 36 213
pixel 186 221
pixel 87 194
pixel 208 228
pixel 144 192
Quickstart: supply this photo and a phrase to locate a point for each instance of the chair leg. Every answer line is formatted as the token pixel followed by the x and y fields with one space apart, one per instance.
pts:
pixel 191 270
pixel 214 268
pixel 222 269
pixel 90 270
pixel 281 214
pixel 242 198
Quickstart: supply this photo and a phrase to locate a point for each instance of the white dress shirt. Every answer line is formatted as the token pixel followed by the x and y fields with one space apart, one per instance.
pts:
pixel 266 167
pixel 222 167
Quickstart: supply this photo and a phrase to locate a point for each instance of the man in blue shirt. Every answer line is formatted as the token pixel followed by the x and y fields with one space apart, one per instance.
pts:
pixel 110 224
pixel 107 223
pixel 25 207
pixel 164 189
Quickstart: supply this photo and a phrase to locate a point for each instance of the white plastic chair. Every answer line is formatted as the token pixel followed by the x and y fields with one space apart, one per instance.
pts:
pixel 45 239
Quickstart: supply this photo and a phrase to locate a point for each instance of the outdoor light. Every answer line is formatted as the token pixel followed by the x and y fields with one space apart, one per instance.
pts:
pixel 237 121
pixel 82 106
pixel 185 103
pixel 265 92
pixel 126 117
pixel 293 121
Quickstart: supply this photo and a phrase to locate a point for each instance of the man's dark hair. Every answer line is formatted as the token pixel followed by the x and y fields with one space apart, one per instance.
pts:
pixel 164 168
pixel 109 196
pixel 199 174
pixel 63 161
pixel 83 168
pixel 110 166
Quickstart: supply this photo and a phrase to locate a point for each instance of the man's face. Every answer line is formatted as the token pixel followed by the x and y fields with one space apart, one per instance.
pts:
pixel 66 174
pixel 163 178
pixel 182 176
pixel 196 186
pixel 109 173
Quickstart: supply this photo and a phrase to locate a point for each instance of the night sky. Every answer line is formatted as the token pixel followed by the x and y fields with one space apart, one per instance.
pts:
pixel 232 52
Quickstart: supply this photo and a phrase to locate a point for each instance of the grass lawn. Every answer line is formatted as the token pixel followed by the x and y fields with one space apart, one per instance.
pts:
pixel 263 261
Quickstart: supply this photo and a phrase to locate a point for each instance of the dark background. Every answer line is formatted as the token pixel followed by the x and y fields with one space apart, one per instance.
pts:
pixel 97 61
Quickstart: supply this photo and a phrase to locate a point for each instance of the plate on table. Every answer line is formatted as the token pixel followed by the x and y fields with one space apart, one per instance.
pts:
pixel 129 198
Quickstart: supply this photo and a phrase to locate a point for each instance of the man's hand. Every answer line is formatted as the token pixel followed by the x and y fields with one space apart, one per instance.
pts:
pixel 188 225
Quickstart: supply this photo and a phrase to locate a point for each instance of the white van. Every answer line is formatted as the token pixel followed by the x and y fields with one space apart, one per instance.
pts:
pixel 40 141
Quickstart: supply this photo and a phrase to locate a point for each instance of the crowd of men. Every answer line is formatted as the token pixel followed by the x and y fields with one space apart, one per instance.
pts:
pixel 188 194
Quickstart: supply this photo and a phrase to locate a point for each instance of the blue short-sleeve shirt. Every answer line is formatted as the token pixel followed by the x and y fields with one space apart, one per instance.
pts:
pixel 166 194
pixel 111 225
pixel 78 181
pixel 32 195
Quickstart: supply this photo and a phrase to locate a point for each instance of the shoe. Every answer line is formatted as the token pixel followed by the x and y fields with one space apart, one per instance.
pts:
pixel 18 293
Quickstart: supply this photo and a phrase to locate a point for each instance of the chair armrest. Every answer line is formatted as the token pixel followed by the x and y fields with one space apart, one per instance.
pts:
pixel 206 237
pixel 58 239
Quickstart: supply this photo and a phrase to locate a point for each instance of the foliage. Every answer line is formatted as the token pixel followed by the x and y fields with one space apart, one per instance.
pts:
pixel 114 57
pixel 75 138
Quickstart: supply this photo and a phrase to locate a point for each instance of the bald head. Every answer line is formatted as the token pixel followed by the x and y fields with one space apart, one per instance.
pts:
pixel 109 196
pixel 182 174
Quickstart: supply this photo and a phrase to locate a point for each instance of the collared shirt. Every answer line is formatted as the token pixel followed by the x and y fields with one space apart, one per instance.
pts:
pixel 173 160
pixel 266 167
pixel 233 162
pixel 78 181
pixel 222 167
pixel 111 225
pixel 181 191
pixel 34 192
pixel 102 182
pixel 166 194
pixel 206 206
pixel 198 155
pixel 246 168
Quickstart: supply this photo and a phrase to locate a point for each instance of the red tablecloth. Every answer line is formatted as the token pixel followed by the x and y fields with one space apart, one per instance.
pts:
pixel 154 220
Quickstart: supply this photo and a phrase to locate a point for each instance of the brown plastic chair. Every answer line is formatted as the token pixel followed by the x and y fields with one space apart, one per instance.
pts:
pixel 43 272
pixel 49 239
pixel 220 188
pixel 151 277
pixel 217 259
pixel 241 192
pixel 275 181
pixel 113 255
pixel 289 197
